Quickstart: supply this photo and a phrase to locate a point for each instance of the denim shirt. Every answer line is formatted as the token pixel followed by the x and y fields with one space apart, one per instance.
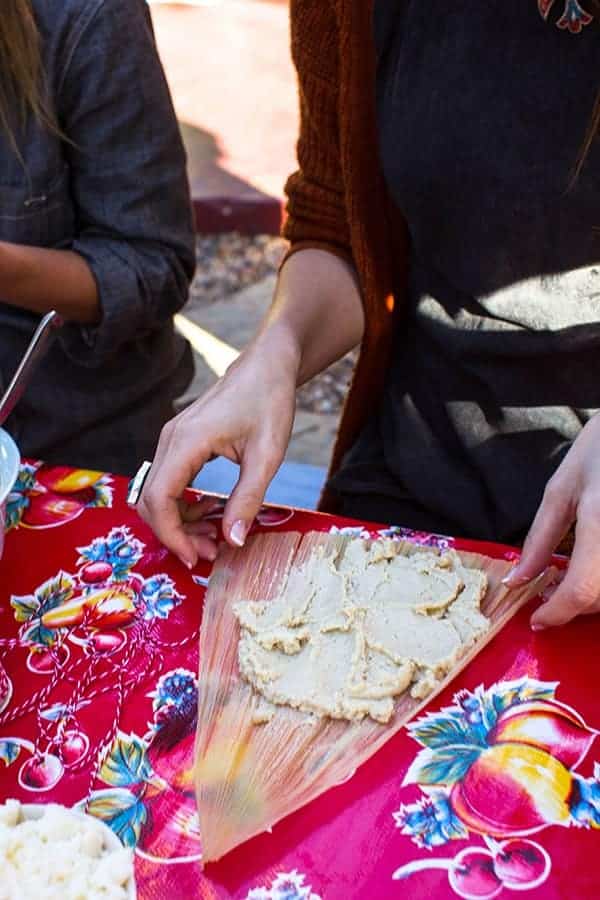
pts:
pixel 115 192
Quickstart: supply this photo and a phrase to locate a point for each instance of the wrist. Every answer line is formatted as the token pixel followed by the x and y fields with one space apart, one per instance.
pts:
pixel 279 345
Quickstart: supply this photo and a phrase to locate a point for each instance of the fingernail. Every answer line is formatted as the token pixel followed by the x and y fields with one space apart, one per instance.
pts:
pixel 513 579
pixel 238 533
pixel 536 627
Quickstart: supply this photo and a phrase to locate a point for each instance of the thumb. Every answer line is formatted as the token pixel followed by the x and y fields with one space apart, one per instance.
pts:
pixel 579 591
pixel 557 610
pixel 256 471
pixel 552 521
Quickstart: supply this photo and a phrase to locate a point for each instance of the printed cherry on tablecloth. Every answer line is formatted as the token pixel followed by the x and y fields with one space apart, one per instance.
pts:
pixel 150 801
pixel 94 628
pixel 48 496
pixel 500 763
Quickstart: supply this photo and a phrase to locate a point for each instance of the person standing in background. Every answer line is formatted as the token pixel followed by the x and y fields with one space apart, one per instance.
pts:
pixel 95 222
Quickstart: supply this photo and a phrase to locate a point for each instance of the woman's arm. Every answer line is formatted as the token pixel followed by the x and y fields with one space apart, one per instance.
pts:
pixel 127 179
pixel 247 416
pixel 39 280
pixel 318 307
pixel 315 318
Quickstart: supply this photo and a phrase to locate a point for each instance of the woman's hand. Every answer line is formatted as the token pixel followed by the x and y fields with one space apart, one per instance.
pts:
pixel 571 495
pixel 246 417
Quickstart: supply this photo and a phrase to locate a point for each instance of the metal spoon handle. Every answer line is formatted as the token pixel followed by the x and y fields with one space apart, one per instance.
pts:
pixel 34 353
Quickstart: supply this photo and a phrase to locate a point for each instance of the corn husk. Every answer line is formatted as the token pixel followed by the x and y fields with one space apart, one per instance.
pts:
pixel 249 776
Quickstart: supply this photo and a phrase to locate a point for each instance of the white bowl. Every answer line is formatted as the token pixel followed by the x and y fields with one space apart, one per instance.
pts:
pixel 10 461
pixel 111 841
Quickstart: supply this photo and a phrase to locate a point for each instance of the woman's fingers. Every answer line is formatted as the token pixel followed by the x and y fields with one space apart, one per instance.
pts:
pixel 579 591
pixel 247 417
pixel 208 529
pixel 178 459
pixel 256 471
pixel 205 547
pixel 161 512
pixel 195 511
pixel 553 519
pixel 203 536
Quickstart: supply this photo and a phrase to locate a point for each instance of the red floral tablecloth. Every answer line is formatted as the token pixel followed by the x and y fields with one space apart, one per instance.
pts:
pixel 494 789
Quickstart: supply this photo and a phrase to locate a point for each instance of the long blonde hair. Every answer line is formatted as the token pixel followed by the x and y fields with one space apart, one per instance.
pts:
pixel 22 89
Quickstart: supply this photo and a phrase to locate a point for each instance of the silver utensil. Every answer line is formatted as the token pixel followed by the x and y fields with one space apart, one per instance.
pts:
pixel 34 353
pixel 137 483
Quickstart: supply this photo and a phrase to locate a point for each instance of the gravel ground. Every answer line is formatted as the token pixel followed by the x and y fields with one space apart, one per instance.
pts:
pixel 229 262
pixel 226 263
pixel 326 392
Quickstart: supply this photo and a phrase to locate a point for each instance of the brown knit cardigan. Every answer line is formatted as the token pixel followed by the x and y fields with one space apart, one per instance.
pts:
pixel 337 199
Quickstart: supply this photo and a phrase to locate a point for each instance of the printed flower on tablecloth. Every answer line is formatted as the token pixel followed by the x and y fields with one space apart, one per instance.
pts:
pixel 357 531
pixel 119 551
pixel 159 597
pixel 48 496
pixel 574 17
pixel 289 886
pixel 150 802
pixel 395 533
pixel 431 821
pixel 423 538
pixel 499 763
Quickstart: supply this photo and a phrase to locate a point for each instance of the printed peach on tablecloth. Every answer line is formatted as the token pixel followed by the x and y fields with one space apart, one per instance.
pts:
pixel 494 789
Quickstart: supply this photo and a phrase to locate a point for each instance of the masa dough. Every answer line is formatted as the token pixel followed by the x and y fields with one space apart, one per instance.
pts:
pixel 349 633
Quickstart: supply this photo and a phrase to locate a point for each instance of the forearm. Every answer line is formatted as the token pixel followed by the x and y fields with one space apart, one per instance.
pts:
pixel 38 279
pixel 317 313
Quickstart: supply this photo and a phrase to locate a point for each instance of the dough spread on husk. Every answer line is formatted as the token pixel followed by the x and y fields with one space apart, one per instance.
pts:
pixel 349 634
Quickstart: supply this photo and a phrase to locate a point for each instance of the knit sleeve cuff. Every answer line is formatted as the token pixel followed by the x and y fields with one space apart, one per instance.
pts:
pixel 317 245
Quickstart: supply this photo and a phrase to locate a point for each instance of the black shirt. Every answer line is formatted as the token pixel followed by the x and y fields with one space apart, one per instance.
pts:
pixel 482 110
